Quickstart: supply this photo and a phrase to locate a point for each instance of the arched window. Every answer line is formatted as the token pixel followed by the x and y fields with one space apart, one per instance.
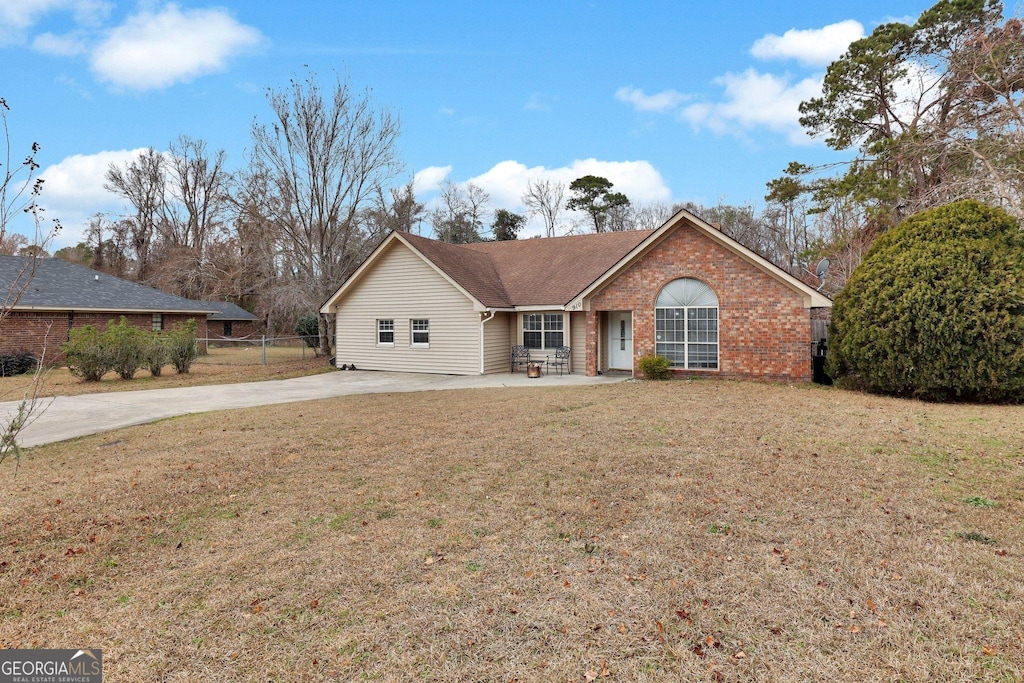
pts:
pixel 686 325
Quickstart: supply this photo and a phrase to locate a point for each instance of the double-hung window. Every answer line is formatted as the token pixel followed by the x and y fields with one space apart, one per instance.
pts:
pixel 543 330
pixel 686 325
pixel 386 332
pixel 420 330
pixel 158 322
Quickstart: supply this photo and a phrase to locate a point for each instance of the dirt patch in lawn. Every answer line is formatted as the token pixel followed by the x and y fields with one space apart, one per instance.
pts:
pixel 211 369
pixel 674 531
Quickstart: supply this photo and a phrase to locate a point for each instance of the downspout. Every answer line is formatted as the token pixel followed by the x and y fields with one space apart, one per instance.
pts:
pixel 490 315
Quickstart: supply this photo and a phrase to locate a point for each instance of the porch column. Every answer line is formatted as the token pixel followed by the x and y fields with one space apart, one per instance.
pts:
pixel 592 331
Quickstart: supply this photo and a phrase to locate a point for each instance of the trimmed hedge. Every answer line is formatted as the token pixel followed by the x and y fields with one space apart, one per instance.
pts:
pixel 125 348
pixel 181 346
pixel 87 354
pixel 936 309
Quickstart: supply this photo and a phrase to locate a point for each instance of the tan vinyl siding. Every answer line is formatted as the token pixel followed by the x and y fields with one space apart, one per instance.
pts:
pixel 402 287
pixel 497 350
pixel 578 332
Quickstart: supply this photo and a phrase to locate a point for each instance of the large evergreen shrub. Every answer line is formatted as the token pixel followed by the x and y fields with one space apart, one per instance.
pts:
pixel 308 328
pixel 18 363
pixel 936 309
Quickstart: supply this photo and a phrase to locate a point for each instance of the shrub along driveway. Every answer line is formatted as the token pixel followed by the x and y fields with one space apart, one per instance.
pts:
pixel 67 417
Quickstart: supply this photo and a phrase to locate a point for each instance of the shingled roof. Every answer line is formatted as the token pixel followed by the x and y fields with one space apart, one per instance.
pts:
pixel 556 272
pixel 531 272
pixel 59 285
pixel 227 311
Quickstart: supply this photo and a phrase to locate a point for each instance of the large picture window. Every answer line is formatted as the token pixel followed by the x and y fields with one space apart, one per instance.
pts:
pixel 543 330
pixel 686 325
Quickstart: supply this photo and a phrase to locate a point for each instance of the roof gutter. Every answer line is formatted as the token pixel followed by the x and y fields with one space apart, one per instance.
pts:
pixel 184 311
pixel 490 315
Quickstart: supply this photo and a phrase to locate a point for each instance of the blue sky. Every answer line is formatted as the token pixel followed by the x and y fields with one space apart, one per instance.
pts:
pixel 672 101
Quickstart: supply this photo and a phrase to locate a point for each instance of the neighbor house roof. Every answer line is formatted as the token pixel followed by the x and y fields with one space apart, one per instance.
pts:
pixel 227 311
pixel 63 286
pixel 556 271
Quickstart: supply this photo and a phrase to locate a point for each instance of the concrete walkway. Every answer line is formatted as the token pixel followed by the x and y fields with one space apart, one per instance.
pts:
pixel 67 417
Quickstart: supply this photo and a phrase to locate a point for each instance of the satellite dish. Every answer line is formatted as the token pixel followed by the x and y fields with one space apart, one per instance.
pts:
pixel 821 271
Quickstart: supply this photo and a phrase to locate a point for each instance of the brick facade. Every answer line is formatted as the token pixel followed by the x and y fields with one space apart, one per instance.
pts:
pixel 764 328
pixel 33 331
pixel 239 329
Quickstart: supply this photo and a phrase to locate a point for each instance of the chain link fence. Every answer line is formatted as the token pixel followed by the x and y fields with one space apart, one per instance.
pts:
pixel 253 350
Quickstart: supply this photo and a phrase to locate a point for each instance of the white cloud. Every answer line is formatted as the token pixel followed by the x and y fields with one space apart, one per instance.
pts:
pixel 73 190
pixel 756 100
pixel 639 180
pixel 429 179
pixel 506 181
pixel 17 16
pixel 67 45
pixel 658 102
pixel 158 49
pixel 812 47
pixel 539 101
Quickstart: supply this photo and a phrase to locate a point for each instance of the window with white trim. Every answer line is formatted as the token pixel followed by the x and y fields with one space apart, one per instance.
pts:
pixel 420 330
pixel 686 325
pixel 543 330
pixel 385 332
pixel 158 322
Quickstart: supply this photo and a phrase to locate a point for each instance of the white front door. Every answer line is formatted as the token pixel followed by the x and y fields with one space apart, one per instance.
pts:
pixel 620 340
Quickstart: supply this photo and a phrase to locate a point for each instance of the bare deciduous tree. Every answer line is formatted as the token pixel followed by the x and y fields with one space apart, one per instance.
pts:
pixel 19 193
pixel 327 157
pixel 396 211
pixel 650 216
pixel 194 219
pixel 544 198
pixel 197 189
pixel 460 217
pixel 142 183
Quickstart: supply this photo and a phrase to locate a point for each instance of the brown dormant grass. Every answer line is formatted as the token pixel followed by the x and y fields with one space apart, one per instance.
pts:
pixel 221 366
pixel 642 532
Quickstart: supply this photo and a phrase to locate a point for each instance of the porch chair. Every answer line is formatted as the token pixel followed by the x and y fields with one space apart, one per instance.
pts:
pixel 520 356
pixel 559 360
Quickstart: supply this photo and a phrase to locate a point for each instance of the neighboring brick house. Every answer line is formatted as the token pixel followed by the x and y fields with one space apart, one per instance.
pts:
pixel 231 321
pixel 685 291
pixel 43 304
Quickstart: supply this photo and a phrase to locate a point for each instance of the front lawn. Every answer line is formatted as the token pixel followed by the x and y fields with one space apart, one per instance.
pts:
pixel 218 366
pixel 703 530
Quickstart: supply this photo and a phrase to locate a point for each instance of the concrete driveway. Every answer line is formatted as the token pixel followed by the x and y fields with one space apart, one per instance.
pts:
pixel 67 417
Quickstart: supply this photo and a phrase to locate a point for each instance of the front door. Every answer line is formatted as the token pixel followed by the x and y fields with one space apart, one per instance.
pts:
pixel 620 340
